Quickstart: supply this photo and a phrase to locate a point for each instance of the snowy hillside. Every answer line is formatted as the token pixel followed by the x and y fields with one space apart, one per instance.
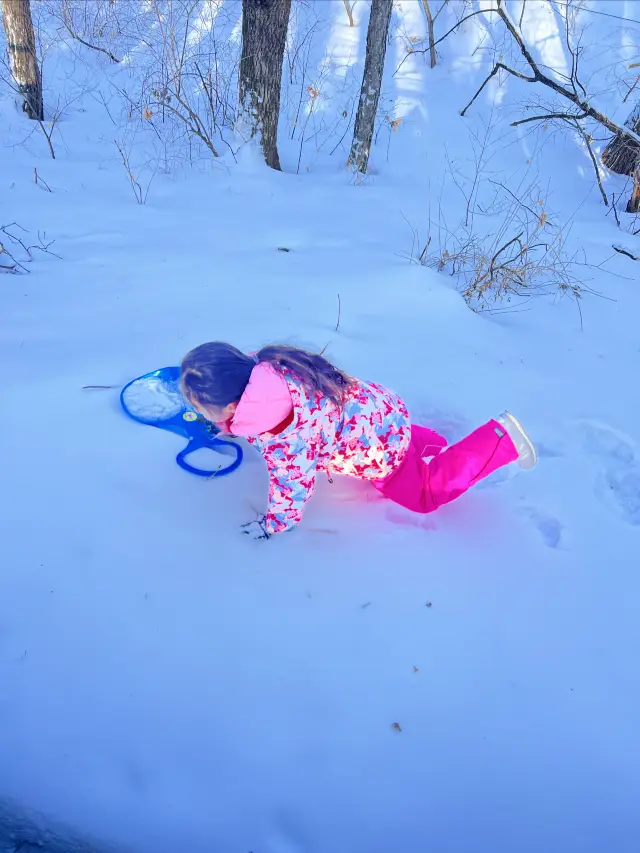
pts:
pixel 377 681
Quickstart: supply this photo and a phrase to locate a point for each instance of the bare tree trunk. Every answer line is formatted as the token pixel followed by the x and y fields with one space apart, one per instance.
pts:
pixel 21 45
pixel 432 38
pixel 622 154
pixel 264 33
pixel 371 82
pixel 347 6
pixel 633 205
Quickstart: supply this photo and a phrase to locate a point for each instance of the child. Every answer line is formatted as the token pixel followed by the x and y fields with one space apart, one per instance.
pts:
pixel 307 416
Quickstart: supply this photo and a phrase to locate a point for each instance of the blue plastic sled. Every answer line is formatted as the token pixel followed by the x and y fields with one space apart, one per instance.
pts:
pixel 155 399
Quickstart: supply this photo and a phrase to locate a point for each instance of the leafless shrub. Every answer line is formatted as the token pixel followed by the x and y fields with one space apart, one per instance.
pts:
pixel 172 66
pixel 107 27
pixel 506 247
pixel 15 250
pixel 139 191
pixel 524 253
pixel 189 84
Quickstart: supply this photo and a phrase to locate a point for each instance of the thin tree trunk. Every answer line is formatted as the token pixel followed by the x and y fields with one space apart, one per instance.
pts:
pixel 21 46
pixel 432 37
pixel 622 154
pixel 347 6
pixel 371 82
pixel 264 33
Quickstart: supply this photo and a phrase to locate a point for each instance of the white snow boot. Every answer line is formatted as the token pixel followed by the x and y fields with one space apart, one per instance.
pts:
pixel 527 454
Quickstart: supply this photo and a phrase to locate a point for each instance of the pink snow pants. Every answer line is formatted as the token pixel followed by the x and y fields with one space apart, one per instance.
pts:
pixel 423 486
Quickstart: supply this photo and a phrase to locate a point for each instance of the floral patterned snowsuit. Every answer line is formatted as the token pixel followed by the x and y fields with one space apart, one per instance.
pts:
pixel 366 438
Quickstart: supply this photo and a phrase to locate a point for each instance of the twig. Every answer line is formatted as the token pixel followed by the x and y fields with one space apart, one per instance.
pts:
pixel 623 251
pixel 615 210
pixel 549 117
pixel 339 311
pixel 40 180
pixel 44 247
pixel 98 387
pixel 498 66
pixel 524 4
pixel 631 88
pixel 501 250
pixel 136 187
pixel 86 43
pixel 422 258
pixel 15 266
pixel 348 125
pixel 596 169
pixel 48 137
pixel 573 77
pixel 516 199
pixel 192 121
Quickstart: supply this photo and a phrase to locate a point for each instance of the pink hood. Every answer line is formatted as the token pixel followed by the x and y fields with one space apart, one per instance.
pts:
pixel 266 402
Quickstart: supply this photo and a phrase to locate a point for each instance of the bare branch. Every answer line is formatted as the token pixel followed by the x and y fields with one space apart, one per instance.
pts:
pixel 541 77
pixel 524 6
pixel 17 266
pixel 549 117
pixel 75 36
pixel 596 169
pixel 446 35
pixel 499 66
pixel 624 251
pixel 38 179
pixel 48 138
pixel 615 210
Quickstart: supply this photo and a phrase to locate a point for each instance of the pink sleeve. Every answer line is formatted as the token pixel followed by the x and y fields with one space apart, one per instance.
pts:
pixel 265 403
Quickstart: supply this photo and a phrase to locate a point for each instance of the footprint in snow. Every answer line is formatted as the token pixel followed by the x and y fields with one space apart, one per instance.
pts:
pixel 403 517
pixel 618 487
pixel 549 451
pixel 599 439
pixel 549 528
pixel 618 483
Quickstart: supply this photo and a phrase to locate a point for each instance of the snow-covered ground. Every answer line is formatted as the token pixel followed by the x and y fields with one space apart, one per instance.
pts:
pixel 376 681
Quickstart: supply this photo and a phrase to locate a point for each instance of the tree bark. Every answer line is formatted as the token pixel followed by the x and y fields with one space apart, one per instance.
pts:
pixel 264 33
pixel 622 154
pixel 371 82
pixel 21 46
pixel 633 205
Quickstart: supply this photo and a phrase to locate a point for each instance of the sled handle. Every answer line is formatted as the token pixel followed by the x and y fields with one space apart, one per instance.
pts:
pixel 211 443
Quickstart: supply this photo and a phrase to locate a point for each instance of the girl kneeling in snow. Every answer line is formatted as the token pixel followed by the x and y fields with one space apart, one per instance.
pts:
pixel 305 416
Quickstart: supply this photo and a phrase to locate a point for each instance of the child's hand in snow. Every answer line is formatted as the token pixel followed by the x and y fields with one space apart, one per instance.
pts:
pixel 256 529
